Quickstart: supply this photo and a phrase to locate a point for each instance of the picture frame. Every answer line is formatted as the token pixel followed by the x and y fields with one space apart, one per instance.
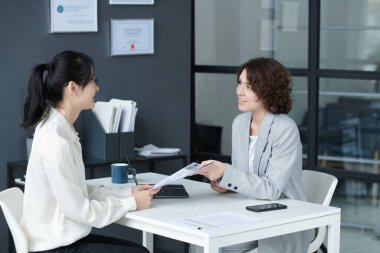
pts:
pixel 73 16
pixel 131 2
pixel 132 36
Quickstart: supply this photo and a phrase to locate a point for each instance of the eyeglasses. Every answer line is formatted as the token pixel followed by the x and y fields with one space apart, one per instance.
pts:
pixel 95 79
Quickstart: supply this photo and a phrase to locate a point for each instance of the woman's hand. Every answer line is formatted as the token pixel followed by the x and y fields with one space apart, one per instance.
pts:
pixel 212 172
pixel 215 187
pixel 143 195
pixel 141 187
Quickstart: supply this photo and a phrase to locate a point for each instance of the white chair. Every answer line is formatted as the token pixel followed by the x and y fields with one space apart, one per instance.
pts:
pixel 11 202
pixel 319 188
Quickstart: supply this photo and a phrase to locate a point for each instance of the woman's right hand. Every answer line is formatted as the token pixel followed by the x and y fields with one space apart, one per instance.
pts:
pixel 214 185
pixel 143 197
pixel 212 172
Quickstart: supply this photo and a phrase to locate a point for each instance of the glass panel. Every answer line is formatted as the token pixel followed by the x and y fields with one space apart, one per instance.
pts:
pixel 230 32
pixel 360 216
pixel 348 140
pixel 216 107
pixel 350 126
pixel 299 111
pixel 350 34
pixel 299 108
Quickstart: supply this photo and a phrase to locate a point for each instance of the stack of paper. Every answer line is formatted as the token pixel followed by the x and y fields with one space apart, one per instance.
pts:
pixel 151 150
pixel 128 114
pixel 116 115
pixel 107 115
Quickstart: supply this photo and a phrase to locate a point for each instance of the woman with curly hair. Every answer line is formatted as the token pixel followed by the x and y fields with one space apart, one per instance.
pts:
pixel 266 149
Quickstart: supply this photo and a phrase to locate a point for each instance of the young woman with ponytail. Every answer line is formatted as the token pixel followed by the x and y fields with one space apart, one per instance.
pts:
pixel 59 208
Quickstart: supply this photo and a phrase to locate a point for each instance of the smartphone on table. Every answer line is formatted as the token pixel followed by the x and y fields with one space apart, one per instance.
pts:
pixel 266 207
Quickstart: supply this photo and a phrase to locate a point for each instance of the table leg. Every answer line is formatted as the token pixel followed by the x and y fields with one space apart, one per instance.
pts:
pixel 211 247
pixel 333 239
pixel 148 241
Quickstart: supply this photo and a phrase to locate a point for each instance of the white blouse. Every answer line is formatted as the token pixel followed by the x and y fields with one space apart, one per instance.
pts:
pixel 251 151
pixel 59 208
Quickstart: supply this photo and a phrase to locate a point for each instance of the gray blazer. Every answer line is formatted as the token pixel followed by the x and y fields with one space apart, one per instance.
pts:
pixel 277 173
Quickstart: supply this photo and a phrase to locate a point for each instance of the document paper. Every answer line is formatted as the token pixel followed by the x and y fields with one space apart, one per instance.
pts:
pixel 151 151
pixel 215 220
pixel 182 173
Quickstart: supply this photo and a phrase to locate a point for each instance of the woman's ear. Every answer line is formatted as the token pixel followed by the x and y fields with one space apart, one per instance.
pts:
pixel 72 88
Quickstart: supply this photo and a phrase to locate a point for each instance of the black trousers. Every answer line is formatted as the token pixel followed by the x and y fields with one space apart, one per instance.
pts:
pixel 100 244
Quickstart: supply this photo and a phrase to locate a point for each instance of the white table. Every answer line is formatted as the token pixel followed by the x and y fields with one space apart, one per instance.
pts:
pixel 203 200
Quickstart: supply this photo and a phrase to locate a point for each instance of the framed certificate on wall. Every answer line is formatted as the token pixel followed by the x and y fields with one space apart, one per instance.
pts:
pixel 132 2
pixel 73 16
pixel 132 36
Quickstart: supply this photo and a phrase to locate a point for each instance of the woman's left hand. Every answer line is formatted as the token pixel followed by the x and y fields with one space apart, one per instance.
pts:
pixel 142 187
pixel 212 172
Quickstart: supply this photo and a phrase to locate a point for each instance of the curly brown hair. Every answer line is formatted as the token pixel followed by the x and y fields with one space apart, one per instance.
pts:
pixel 271 82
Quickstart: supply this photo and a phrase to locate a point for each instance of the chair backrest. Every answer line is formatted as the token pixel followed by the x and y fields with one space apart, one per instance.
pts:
pixel 319 188
pixel 11 202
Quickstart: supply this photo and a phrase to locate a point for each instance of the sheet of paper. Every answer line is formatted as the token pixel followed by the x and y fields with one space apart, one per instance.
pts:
pixel 105 113
pixel 215 220
pixel 150 150
pixel 127 115
pixel 182 173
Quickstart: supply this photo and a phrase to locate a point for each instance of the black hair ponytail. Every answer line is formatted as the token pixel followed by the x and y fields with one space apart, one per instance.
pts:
pixel 35 104
pixel 45 91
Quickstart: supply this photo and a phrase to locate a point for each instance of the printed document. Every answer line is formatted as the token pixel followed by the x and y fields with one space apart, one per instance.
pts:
pixel 182 173
pixel 215 220
pixel 151 151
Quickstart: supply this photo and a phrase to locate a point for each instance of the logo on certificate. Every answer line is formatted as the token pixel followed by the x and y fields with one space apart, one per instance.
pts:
pixel 60 8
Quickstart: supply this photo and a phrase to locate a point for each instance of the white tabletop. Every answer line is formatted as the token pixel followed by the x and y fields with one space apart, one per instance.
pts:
pixel 203 200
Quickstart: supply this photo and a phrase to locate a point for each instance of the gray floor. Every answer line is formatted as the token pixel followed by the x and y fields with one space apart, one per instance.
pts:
pixel 355 240
pixel 360 215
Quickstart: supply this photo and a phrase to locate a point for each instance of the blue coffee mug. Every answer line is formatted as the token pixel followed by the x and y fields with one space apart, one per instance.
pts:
pixel 120 172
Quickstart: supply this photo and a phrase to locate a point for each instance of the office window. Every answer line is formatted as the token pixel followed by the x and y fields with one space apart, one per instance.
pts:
pixel 360 214
pixel 229 32
pixel 299 112
pixel 349 132
pixel 299 96
pixel 215 109
pixel 341 79
pixel 350 34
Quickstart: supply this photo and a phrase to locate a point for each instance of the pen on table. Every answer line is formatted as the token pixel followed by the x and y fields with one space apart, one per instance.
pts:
pixel 134 178
pixel 134 174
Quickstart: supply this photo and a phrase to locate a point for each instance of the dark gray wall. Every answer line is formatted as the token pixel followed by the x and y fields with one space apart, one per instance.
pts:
pixel 160 83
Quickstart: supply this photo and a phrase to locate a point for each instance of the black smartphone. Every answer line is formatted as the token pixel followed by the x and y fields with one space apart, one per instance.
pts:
pixel 266 207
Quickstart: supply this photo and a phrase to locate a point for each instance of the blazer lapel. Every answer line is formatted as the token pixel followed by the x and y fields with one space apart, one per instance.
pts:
pixel 262 141
pixel 243 142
